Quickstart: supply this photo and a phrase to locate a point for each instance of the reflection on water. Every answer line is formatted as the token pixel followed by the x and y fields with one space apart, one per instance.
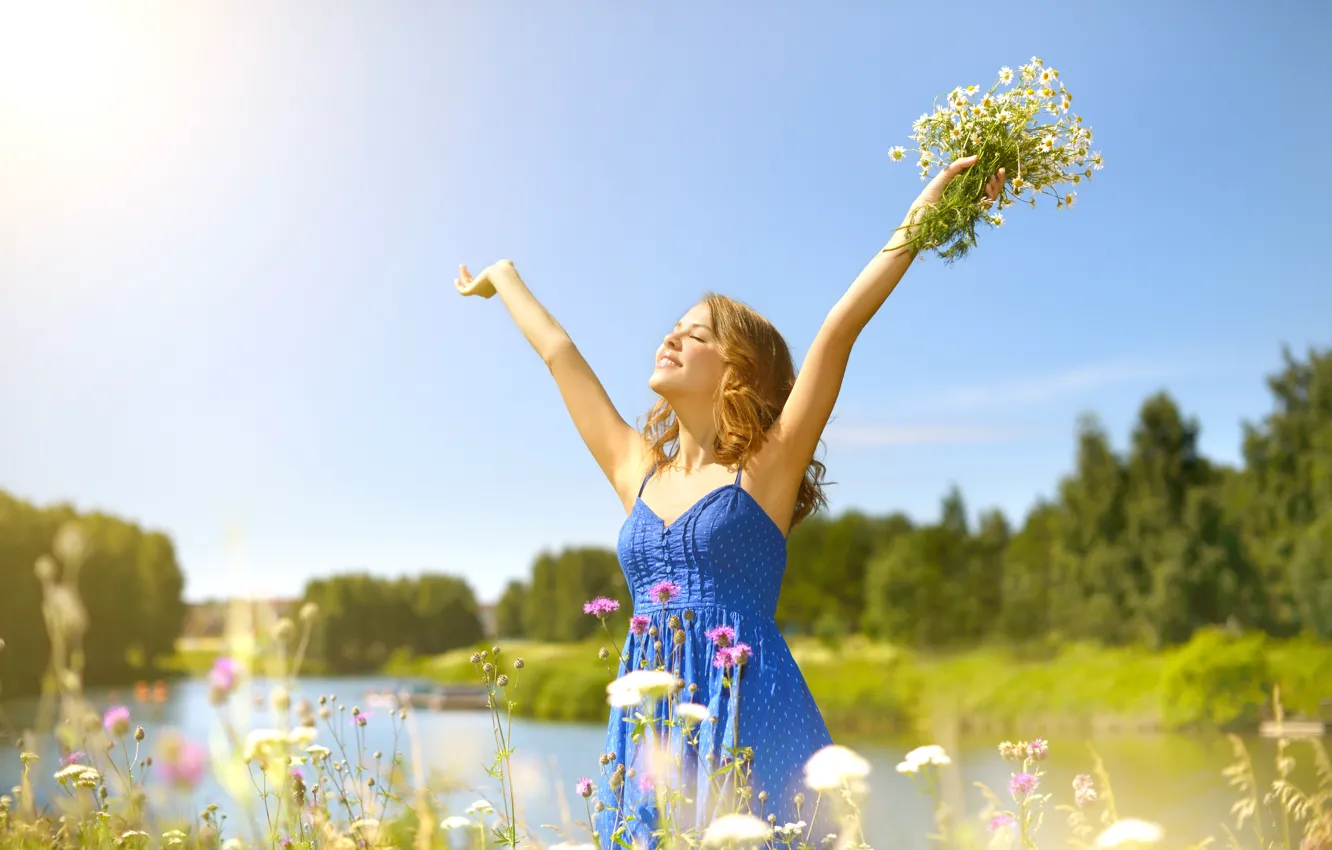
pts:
pixel 1174 780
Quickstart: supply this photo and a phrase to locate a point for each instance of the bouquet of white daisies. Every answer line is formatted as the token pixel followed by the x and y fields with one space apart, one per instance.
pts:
pixel 1025 129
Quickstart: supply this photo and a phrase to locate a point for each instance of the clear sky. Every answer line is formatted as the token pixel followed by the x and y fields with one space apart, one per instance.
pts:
pixel 228 232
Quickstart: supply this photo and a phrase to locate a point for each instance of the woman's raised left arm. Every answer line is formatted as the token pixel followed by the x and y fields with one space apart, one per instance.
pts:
pixel 795 435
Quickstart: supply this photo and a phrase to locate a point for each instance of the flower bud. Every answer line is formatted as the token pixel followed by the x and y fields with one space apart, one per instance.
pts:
pixel 45 568
pixel 284 630
pixel 517 664
pixel 138 733
pixel 502 681
pixel 308 612
pixel 71 544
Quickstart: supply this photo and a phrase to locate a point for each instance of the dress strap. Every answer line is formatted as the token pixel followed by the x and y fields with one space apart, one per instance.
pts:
pixel 642 486
pixel 739 470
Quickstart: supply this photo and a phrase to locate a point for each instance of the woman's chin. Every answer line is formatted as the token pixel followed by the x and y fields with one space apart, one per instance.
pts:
pixel 661 381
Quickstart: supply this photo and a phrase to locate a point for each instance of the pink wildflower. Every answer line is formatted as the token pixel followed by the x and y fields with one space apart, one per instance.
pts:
pixel 360 717
pixel 584 787
pixel 75 757
pixel 182 762
pixel 601 607
pixel 223 674
pixel 1022 783
pixel 116 720
pixel 731 656
pixel 639 625
pixel 1083 792
pixel 664 591
pixel 1000 821
pixel 1038 748
pixel 723 636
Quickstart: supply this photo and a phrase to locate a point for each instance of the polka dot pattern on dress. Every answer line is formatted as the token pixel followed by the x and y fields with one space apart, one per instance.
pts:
pixel 726 558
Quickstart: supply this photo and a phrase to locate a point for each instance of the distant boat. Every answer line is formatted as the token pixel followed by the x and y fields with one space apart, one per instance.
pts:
pixel 431 696
pixel 1294 727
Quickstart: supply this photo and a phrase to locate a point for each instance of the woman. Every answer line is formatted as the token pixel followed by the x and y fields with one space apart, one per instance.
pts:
pixel 722 470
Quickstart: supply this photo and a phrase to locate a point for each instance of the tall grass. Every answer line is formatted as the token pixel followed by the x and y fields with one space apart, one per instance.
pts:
pixel 310 782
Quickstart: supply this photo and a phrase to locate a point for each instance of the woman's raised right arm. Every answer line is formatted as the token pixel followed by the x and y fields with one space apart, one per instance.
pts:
pixel 618 448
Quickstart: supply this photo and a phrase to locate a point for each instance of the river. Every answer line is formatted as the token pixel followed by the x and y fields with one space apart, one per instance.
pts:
pixel 1174 780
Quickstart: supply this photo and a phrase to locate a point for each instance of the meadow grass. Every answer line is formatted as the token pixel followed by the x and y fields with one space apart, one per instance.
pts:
pixel 894 690
pixel 310 782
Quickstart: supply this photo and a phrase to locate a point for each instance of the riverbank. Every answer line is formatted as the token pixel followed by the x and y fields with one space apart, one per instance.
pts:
pixel 1216 681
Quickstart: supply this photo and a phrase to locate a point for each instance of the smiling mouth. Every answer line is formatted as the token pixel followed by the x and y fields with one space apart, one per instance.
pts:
pixel 666 362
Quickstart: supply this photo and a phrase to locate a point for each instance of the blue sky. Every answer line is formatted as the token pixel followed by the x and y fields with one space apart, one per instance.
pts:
pixel 228 232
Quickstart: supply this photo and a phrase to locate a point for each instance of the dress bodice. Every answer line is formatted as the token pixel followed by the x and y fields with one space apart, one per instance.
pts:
pixel 723 551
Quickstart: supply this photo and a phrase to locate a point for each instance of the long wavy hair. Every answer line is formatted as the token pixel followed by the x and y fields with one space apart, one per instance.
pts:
pixel 757 377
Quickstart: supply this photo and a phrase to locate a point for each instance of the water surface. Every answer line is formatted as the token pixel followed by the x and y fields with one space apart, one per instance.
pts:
pixel 1174 780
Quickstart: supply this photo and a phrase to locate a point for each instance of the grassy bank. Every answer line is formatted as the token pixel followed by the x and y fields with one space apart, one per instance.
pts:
pixel 1216 680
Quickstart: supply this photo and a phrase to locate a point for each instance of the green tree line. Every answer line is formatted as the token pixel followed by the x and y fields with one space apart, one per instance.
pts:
pixel 129 603
pixel 1142 546
pixel 364 619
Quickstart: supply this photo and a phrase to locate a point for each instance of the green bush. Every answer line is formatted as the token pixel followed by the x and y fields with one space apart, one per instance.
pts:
pixel 1216 679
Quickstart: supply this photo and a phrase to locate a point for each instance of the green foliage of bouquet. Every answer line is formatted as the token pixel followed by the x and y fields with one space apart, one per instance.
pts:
pixel 1026 129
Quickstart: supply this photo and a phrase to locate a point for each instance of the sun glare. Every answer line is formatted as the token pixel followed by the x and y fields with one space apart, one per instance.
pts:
pixel 64 66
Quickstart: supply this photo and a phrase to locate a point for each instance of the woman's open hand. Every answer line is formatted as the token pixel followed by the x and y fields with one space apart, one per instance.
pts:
pixel 483 285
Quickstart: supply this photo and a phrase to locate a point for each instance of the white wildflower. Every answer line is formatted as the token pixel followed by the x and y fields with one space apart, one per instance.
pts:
pixel 173 837
pixel 366 828
pixel 897 153
pixel 929 754
pixel 481 807
pixel 736 829
pixel 260 741
pixel 1005 75
pixel 303 735
pixel 790 831
pixel 835 766
pixel 691 712
pixel 1130 831
pixel 455 822
pixel 633 687
pixel 73 771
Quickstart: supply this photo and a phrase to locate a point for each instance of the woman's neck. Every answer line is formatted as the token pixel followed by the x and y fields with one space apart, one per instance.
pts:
pixel 696 445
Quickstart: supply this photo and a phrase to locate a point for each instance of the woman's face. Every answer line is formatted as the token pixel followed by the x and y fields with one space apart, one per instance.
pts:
pixel 689 361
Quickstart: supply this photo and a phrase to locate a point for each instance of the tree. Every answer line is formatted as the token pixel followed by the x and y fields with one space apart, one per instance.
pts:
pixel 510 610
